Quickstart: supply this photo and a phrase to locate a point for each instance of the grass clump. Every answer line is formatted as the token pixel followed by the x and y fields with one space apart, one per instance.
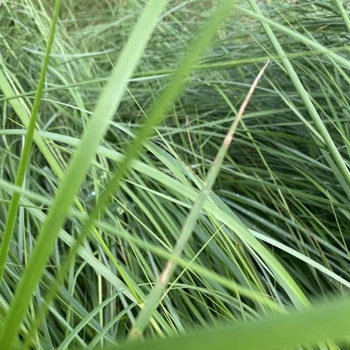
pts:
pixel 136 218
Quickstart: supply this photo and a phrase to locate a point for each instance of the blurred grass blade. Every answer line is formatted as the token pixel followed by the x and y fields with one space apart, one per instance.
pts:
pixel 321 323
pixel 343 13
pixel 104 111
pixel 154 117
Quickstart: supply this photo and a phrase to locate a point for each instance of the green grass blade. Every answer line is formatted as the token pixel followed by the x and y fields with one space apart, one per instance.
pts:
pixel 321 323
pixel 103 113
pixel 189 224
pixel 304 95
pixel 156 116
pixel 14 204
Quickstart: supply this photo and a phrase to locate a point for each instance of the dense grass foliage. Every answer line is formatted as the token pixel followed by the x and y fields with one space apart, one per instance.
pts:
pixel 120 230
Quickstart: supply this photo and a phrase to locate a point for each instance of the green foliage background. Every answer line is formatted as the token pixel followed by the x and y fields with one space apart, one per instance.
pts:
pixel 122 213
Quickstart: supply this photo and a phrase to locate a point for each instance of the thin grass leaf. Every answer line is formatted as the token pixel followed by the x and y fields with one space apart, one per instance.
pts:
pixel 22 168
pixel 188 226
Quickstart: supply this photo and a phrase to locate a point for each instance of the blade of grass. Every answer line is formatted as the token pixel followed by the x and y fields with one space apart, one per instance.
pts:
pixel 103 113
pixel 292 33
pixel 22 168
pixel 343 13
pixel 8 84
pixel 156 114
pixel 321 323
pixel 266 23
pixel 188 227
